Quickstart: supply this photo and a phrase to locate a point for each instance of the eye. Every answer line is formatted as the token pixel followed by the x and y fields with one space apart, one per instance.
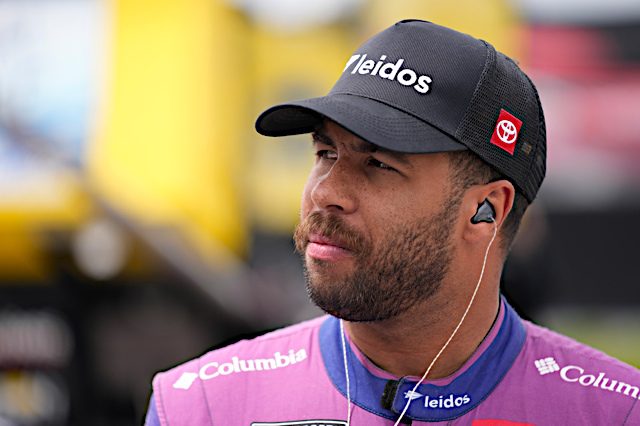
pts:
pixel 380 165
pixel 326 154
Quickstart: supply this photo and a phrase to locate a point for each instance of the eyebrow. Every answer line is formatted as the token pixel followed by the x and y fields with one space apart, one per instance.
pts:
pixel 363 147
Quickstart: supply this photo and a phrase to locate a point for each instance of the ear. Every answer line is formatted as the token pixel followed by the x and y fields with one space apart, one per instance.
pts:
pixel 500 194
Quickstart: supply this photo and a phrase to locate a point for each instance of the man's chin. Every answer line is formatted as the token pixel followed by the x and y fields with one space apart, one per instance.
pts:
pixel 329 296
pixel 330 270
pixel 347 314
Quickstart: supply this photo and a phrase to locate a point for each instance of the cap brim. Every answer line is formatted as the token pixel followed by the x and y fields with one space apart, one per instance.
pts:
pixel 373 121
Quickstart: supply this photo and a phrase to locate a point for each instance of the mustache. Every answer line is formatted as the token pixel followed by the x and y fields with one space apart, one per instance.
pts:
pixel 331 227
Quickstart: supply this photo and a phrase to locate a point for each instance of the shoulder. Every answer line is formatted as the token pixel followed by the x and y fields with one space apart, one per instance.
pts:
pixel 283 347
pixel 567 351
pixel 184 392
pixel 557 380
pixel 566 373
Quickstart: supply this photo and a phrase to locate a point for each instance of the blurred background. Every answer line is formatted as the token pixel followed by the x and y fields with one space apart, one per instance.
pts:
pixel 143 221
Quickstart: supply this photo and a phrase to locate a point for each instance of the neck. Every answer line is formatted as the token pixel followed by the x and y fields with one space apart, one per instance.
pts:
pixel 406 345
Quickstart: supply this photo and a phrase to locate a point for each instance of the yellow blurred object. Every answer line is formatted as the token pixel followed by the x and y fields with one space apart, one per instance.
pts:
pixel 168 149
pixel 54 202
pixel 289 67
pixel 174 133
pixel 30 397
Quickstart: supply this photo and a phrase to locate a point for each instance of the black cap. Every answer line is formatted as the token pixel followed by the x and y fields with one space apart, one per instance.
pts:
pixel 418 87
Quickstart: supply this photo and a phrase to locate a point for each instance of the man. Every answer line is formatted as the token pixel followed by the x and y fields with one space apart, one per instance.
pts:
pixel 429 149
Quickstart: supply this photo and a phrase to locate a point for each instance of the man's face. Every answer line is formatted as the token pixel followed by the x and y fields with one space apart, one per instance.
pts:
pixel 375 230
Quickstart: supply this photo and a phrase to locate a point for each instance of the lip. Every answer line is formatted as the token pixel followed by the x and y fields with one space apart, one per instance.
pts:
pixel 323 248
pixel 321 239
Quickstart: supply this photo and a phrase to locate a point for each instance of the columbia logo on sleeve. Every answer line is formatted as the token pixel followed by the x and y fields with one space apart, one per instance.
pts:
pixel 236 365
pixel 578 375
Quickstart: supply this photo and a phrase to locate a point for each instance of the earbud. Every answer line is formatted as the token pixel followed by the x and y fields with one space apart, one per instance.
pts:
pixel 485 213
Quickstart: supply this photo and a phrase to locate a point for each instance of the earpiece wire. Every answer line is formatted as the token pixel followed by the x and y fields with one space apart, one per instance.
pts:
pixel 346 372
pixel 473 296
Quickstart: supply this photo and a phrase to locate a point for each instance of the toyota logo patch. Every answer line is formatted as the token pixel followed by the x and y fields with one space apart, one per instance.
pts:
pixel 506 132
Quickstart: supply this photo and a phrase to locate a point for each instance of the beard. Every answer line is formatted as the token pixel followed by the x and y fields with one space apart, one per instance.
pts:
pixel 404 268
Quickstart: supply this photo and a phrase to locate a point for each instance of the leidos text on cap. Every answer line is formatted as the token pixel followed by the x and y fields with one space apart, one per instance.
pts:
pixel 390 71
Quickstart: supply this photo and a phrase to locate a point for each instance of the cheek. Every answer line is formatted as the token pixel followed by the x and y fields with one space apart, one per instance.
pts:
pixel 305 202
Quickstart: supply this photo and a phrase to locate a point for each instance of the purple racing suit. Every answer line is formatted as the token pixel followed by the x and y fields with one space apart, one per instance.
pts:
pixel 521 374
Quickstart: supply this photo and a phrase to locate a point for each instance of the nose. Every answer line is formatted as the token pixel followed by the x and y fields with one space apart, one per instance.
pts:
pixel 335 190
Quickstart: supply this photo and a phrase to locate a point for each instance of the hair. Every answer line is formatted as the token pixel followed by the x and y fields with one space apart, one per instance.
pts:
pixel 467 169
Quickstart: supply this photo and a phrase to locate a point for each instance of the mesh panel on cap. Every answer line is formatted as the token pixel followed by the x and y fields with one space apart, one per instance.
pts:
pixel 539 163
pixel 503 85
